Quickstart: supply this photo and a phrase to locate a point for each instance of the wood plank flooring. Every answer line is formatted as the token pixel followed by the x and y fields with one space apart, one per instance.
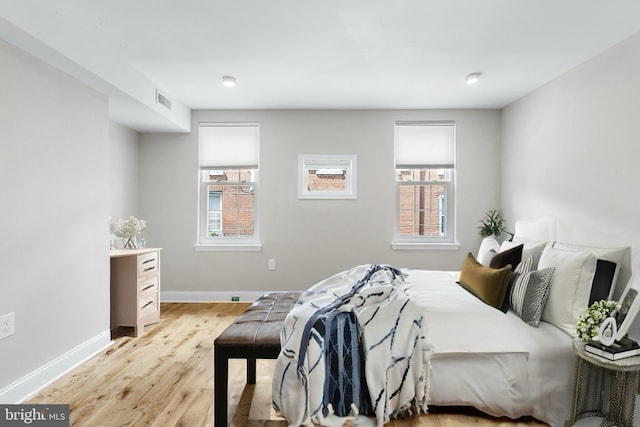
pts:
pixel 165 378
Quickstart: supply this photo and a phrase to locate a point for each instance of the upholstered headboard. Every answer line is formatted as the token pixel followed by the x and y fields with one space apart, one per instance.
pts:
pixel 540 230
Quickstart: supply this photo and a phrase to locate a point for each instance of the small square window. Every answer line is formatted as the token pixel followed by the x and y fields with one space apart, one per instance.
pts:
pixel 325 176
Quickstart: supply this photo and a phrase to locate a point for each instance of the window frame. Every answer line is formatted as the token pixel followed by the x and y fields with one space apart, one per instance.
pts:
pixel 449 189
pixel 346 162
pixel 226 243
pixel 204 242
pixel 448 241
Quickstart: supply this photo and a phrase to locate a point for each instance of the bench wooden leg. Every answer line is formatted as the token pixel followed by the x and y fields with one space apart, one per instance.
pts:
pixel 251 371
pixel 220 388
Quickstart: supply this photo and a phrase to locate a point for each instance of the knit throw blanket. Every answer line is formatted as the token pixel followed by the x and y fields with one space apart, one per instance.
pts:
pixel 317 381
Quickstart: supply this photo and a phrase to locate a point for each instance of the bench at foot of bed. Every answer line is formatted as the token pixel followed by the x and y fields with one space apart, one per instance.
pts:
pixel 255 334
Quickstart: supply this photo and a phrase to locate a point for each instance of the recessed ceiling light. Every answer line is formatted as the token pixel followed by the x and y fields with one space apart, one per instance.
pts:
pixel 473 78
pixel 228 81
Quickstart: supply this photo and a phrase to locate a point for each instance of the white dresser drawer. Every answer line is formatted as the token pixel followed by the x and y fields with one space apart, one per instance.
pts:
pixel 148 304
pixel 147 264
pixel 148 286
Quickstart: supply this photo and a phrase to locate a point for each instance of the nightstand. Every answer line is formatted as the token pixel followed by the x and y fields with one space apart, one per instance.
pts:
pixel 604 390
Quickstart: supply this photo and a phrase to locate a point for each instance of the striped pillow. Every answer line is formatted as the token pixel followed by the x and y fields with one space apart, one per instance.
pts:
pixel 530 292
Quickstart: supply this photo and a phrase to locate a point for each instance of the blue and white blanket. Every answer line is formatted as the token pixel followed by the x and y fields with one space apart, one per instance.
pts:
pixel 392 332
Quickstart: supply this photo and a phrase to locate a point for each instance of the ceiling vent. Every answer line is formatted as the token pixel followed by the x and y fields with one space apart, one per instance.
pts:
pixel 161 99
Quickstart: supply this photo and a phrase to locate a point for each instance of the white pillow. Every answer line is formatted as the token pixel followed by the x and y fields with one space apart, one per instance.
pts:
pixel 570 286
pixel 530 249
pixel 615 255
pixel 488 248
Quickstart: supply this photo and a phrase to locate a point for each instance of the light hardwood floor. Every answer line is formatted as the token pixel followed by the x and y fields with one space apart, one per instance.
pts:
pixel 165 378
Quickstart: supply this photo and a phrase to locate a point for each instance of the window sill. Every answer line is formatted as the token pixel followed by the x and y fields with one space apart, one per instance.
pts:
pixel 244 247
pixel 403 246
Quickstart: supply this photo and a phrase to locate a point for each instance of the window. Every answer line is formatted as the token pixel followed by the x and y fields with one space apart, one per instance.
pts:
pixel 327 176
pixel 425 169
pixel 228 158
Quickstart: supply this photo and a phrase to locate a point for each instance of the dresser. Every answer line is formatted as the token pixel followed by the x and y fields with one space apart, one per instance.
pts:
pixel 135 288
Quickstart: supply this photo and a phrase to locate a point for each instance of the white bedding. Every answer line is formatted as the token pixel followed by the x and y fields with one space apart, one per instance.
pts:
pixel 492 361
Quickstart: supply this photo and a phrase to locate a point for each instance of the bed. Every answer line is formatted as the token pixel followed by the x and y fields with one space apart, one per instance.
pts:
pixel 494 361
pixel 457 349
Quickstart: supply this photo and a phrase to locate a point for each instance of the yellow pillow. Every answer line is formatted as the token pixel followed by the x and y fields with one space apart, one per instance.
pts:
pixel 486 283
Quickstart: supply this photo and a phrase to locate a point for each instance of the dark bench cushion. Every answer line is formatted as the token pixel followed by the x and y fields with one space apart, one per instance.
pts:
pixel 260 324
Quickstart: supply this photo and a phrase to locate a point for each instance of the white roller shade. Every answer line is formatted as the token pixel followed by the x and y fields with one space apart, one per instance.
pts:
pixel 233 145
pixel 420 145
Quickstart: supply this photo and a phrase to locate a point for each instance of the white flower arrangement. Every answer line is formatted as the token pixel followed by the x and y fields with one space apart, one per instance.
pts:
pixel 128 229
pixel 589 323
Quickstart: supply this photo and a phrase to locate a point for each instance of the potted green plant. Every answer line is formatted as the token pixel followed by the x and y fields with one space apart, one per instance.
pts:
pixel 492 224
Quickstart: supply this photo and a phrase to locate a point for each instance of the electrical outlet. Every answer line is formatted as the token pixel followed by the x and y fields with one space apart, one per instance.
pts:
pixel 7 325
pixel 272 264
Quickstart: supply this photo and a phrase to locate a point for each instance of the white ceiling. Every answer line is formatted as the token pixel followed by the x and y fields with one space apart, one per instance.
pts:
pixel 321 54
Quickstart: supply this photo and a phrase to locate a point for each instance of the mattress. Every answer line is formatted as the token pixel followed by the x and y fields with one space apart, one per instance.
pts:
pixel 490 360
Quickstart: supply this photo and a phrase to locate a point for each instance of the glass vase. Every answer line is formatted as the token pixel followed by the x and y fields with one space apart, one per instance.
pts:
pixel 129 243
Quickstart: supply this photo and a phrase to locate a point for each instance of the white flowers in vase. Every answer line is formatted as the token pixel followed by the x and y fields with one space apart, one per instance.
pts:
pixel 589 323
pixel 128 229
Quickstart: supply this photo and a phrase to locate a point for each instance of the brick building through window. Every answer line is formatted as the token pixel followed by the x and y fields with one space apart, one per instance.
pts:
pixel 326 179
pixel 421 202
pixel 231 201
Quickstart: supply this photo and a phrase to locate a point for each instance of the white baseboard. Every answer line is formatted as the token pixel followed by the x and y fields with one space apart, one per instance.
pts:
pixel 209 296
pixel 29 385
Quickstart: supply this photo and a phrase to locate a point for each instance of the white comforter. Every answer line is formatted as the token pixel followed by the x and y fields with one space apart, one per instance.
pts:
pixel 491 360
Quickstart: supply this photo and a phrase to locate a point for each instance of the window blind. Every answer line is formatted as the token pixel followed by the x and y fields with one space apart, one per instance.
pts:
pixel 229 145
pixel 425 145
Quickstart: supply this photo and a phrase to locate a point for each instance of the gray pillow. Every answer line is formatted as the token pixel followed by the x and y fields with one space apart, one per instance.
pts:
pixel 530 293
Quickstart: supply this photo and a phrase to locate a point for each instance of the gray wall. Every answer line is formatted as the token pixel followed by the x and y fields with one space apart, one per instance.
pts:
pixel 54 261
pixel 124 171
pixel 310 239
pixel 570 151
